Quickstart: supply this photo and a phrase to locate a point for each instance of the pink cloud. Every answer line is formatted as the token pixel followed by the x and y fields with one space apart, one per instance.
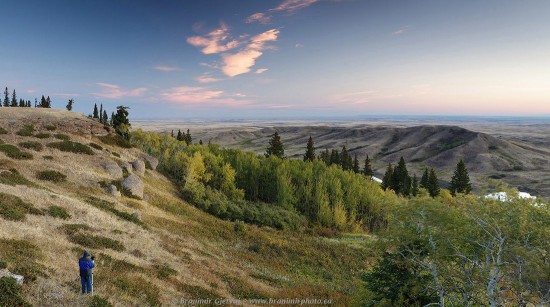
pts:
pixel 261 70
pixel 192 95
pixel 206 78
pixel 260 18
pixel 65 95
pixel 112 91
pixel 218 40
pixel 241 62
pixel 292 6
pixel 166 68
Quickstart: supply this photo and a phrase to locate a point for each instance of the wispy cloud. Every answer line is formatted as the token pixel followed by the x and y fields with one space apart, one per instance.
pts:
pixel 112 91
pixel 291 6
pixel 192 95
pixel 166 68
pixel 241 62
pixel 354 98
pixel 260 18
pixel 261 70
pixel 65 95
pixel 298 46
pixel 207 78
pixel 218 40
pixel 401 30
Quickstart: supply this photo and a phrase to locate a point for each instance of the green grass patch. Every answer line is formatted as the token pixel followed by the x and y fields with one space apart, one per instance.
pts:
pixel 15 153
pixel 96 146
pixel 139 287
pixel 61 136
pixel 115 140
pixel 93 241
pixel 3 131
pixel 14 209
pixel 13 178
pixel 164 271
pixel 58 212
pixel 73 147
pixel 53 176
pixel 110 207
pixel 21 257
pixel 42 135
pixel 10 293
pixel 98 301
pixel 32 145
pixel 50 127
pixel 27 130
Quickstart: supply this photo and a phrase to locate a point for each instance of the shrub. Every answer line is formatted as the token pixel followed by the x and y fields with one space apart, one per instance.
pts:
pixel 15 153
pixel 14 209
pixel 115 140
pixel 21 257
pixel 164 271
pixel 61 136
pixel 27 130
pixel 94 145
pixel 239 227
pixel 58 212
pixel 53 176
pixel 42 135
pixel 3 131
pixel 32 145
pixel 10 293
pixel 93 241
pixel 98 301
pixel 50 127
pixel 13 178
pixel 139 287
pixel 3 264
pixel 74 147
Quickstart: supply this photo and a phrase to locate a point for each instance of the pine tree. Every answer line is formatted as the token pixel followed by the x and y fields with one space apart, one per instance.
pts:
pixel 387 179
pixel 335 157
pixel 6 98
pixel 105 118
pixel 367 169
pixel 120 122
pixel 345 159
pixel 35 102
pixel 356 168
pixel 101 113
pixel 13 99
pixel 172 134
pixel 275 147
pixel 310 150
pixel 180 135
pixel 200 142
pixel 112 116
pixel 424 181
pixel 325 156
pixel 43 102
pixel 48 102
pixel 96 115
pixel 28 103
pixel 188 138
pixel 460 182
pixel 414 189
pixel 22 103
pixel 401 181
pixel 433 184
pixel 70 105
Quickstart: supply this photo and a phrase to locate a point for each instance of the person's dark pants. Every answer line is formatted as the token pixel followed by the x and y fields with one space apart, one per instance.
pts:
pixel 86 284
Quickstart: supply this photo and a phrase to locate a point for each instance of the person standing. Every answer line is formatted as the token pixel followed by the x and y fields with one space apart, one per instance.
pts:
pixel 86 264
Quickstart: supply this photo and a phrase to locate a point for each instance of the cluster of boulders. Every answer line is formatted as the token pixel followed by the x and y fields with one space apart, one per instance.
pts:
pixel 132 182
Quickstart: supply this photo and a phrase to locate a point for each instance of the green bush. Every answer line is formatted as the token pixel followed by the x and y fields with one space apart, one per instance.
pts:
pixel 74 147
pixel 27 130
pixel 13 178
pixel 3 131
pixel 32 145
pixel 53 176
pixel 164 271
pixel 115 140
pixel 98 301
pixel 42 135
pixel 58 212
pixel 10 293
pixel 96 146
pixel 93 241
pixel 50 127
pixel 14 209
pixel 61 136
pixel 15 153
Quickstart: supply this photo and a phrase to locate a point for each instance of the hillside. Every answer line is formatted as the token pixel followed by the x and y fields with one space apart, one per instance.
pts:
pixel 154 250
pixel 520 164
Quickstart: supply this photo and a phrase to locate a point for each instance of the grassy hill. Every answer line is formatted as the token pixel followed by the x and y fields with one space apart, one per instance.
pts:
pixel 157 250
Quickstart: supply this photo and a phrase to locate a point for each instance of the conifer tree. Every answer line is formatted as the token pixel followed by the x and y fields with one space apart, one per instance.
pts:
pixel 6 98
pixel 387 179
pixel 96 113
pixel 424 181
pixel 35 102
pixel 433 184
pixel 101 113
pixel 356 168
pixel 70 105
pixel 414 188
pixel 22 103
pixel 310 150
pixel 325 156
pixel 13 99
pixel 401 181
pixel 275 147
pixel 112 116
pixel 105 118
pixel 367 169
pixel 345 159
pixel 120 122
pixel 28 103
pixel 172 134
pixel 460 182
pixel 43 102
pixel 48 102
pixel 188 138
pixel 200 142
pixel 180 135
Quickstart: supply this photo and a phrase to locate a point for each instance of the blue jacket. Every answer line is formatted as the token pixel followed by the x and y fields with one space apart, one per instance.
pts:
pixel 86 265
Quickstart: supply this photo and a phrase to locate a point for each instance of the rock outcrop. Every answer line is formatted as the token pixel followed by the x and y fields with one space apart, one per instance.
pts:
pixel 113 169
pixel 134 185
pixel 154 162
pixel 139 167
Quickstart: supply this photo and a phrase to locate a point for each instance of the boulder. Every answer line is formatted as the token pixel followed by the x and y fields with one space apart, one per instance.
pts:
pixel 113 190
pixel 134 185
pixel 139 167
pixel 126 166
pixel 18 278
pixel 136 215
pixel 113 169
pixel 154 162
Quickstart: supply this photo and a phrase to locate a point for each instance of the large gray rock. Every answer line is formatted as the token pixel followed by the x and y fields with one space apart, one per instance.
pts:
pixel 154 162
pixel 112 168
pixel 139 167
pixel 127 166
pixel 134 185
pixel 18 278
pixel 113 190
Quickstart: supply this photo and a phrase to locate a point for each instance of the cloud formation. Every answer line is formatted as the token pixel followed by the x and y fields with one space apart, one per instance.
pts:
pixel 401 30
pixel 260 18
pixel 112 91
pixel 218 40
pixel 291 6
pixel 206 78
pixel 166 68
pixel 194 95
pixel 261 70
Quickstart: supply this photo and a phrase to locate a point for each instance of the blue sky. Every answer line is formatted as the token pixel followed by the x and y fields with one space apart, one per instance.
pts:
pixel 282 58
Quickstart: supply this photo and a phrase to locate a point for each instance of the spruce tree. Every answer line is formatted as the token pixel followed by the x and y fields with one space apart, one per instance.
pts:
pixel 414 188
pixel 325 156
pixel 70 105
pixel 345 159
pixel 48 102
pixel 96 113
pixel 275 147
pixel 356 167
pixel 310 150
pixel 424 180
pixel 334 157
pixel 101 113
pixel 433 184
pixel 43 102
pixel 200 142
pixel 188 138
pixel 460 182
pixel 6 98
pixel 172 134
pixel 22 103
pixel 180 135
pixel 28 103
pixel 401 181
pixel 105 118
pixel 35 102
pixel 120 122
pixel 13 99
pixel 367 169
pixel 387 179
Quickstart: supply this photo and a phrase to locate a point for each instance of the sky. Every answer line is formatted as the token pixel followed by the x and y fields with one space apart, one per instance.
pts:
pixel 179 59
